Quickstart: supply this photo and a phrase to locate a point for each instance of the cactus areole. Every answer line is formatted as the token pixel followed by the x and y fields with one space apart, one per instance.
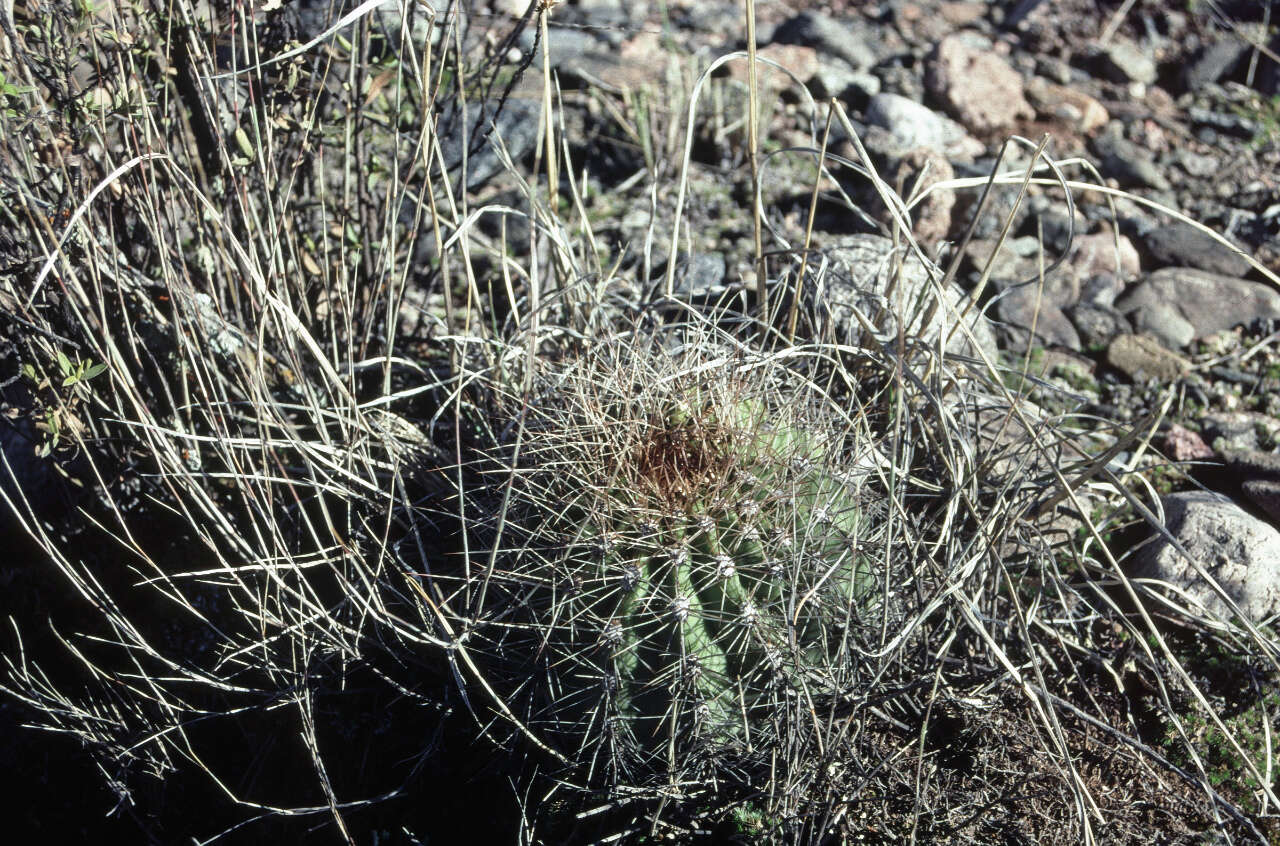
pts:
pixel 680 563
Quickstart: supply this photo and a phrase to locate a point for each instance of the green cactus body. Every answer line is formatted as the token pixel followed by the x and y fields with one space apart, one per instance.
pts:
pixel 703 615
pixel 691 569
pixel 725 613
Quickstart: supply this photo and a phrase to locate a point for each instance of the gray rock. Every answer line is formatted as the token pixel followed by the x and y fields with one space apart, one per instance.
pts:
pixel 1134 220
pixel 1264 493
pixel 833 78
pixel 1057 288
pixel 1214 62
pixel 1197 164
pixel 1101 289
pixel 1238 551
pixel 701 275
pixel 1130 165
pixel 1208 301
pixel 1097 324
pixel 1163 322
pixel 1022 310
pixel 315 16
pixel 1224 123
pixel 563 45
pixel 862 87
pixel 1053 68
pixel 1252 464
pixel 1179 245
pixel 1121 61
pixel 1239 431
pixel 610 69
pixel 516 123
pixel 1142 359
pixel 1055 226
pixel 837 78
pixel 1001 203
pixel 861 273
pixel 903 81
pixel 721 18
pixel 827 35
pixel 1101 252
pixel 614 15
pixel 1016 262
pixel 911 125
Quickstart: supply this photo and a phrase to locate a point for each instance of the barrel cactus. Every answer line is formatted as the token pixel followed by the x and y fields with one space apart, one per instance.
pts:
pixel 666 556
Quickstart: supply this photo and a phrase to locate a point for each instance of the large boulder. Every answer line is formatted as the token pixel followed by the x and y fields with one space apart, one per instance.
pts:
pixel 977 87
pixel 1240 552
pixel 1180 245
pixel 1209 302
pixel 474 140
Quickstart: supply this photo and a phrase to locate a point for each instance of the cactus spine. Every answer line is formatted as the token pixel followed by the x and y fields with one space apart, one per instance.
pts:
pixel 678 563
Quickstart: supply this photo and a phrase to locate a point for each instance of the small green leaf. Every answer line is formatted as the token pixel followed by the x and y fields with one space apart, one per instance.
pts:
pixel 245 145
pixel 94 370
pixel 64 363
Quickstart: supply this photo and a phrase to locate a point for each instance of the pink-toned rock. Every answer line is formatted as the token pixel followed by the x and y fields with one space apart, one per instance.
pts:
pixel 1090 256
pixel 640 61
pixel 930 23
pixel 976 86
pixel 1099 253
pixel 960 13
pixel 931 217
pixel 1160 101
pixel 1075 108
pixel 1182 444
pixel 800 60
pixel 642 47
